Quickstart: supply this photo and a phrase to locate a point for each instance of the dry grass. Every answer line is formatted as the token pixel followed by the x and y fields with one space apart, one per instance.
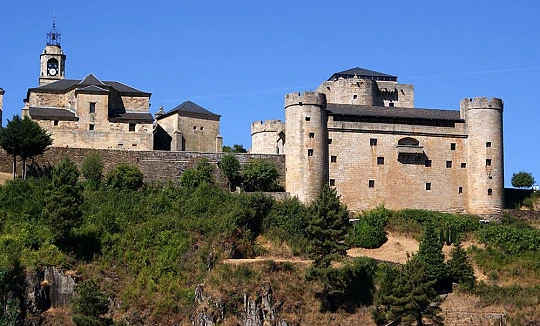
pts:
pixel 4 177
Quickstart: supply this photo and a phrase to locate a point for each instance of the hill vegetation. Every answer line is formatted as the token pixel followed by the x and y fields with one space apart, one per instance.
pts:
pixel 145 249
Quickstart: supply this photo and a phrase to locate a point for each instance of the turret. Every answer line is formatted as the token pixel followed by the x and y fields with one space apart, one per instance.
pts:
pixel 306 146
pixel 267 137
pixel 485 143
pixel 53 59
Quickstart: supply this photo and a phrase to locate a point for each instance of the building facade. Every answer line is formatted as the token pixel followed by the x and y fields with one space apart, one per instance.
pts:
pixel 361 133
pixel 88 112
pixel 188 127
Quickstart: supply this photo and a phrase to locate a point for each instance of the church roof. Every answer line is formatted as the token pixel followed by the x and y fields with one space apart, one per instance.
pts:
pixel 362 73
pixel 190 109
pixel 93 89
pixel 367 111
pixel 49 113
pixel 65 85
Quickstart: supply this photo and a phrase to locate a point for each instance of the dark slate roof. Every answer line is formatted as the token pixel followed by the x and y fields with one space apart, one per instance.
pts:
pixel 47 113
pixel 92 89
pixel 140 117
pixel 392 112
pixel 362 73
pixel 190 109
pixel 64 85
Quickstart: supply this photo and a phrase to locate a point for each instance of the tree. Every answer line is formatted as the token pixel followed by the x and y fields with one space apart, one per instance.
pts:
pixel 522 180
pixel 431 255
pixel 460 269
pixel 92 170
pixel 369 231
pixel 125 176
pixel 235 149
pixel 23 138
pixel 260 175
pixel 406 295
pixel 63 200
pixel 202 174
pixel 231 168
pixel 89 304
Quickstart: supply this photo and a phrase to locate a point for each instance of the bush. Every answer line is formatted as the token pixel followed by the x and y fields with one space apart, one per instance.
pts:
pixel 202 174
pixel 125 176
pixel 89 305
pixel 260 175
pixel 231 168
pixel 287 222
pixel 511 239
pixel 92 170
pixel 369 231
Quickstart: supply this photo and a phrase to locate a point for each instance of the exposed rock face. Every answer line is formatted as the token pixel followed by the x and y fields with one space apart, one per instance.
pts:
pixel 208 311
pixel 45 288
pixel 262 310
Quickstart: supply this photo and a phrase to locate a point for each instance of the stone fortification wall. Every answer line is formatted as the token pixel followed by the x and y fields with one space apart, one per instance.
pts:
pixel 265 137
pixel 486 163
pixel 157 166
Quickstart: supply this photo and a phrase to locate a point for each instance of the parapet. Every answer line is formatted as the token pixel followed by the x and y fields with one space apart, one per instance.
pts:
pixel 266 126
pixel 305 98
pixel 481 103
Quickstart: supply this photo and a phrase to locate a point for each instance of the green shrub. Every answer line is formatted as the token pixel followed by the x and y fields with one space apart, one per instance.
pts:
pixel 369 230
pixel 260 175
pixel 92 169
pixel 125 176
pixel 89 305
pixel 203 174
pixel 287 222
pixel 511 239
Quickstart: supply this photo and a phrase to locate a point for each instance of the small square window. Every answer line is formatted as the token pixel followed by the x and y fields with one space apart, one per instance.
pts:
pixel 371 183
pixel 194 127
pixel 373 141
pixel 490 192
pixel 332 182
pixel 460 190
pixel 448 164
pixel 91 127
pixel 488 144
pixel 308 118
pixel 380 160
pixel 488 162
pixel 311 135
pixel 391 104
pixel 428 185
pixel 427 163
pixel 92 107
pixel 310 152
pixel 463 165
pixel 355 96
pixel 333 159
pixel 132 127
pixel 329 141
pixel 453 146
pixel 55 122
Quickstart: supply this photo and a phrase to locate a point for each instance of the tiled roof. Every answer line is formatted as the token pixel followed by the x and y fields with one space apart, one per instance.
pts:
pixel 362 73
pixel 141 117
pixel 92 89
pixel 392 112
pixel 191 109
pixel 64 85
pixel 47 113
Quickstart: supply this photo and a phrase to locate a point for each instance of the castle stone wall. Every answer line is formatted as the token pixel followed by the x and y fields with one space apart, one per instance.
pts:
pixel 265 137
pixel 157 166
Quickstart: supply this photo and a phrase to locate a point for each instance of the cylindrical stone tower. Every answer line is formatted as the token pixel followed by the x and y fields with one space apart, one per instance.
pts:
pixel 306 145
pixel 265 137
pixel 485 144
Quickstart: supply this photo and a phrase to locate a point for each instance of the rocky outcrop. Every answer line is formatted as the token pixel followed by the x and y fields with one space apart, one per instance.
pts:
pixel 45 288
pixel 208 311
pixel 262 310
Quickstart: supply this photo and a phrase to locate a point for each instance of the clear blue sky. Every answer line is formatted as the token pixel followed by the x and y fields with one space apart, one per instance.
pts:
pixel 239 58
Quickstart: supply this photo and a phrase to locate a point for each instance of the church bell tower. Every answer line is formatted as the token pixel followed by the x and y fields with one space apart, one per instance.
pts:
pixel 53 59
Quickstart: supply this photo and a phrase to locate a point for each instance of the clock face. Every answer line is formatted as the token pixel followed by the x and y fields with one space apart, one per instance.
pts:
pixel 52 71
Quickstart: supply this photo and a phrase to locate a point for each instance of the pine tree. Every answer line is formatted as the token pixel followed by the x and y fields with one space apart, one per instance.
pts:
pixel 406 295
pixel 431 255
pixel 327 227
pixel 63 201
pixel 460 269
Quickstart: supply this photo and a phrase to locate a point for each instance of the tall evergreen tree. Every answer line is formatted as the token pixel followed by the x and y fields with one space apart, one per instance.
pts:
pixel 327 227
pixel 63 202
pixel 431 255
pixel 460 269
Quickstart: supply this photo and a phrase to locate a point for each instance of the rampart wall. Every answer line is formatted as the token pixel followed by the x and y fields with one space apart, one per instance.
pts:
pixel 157 166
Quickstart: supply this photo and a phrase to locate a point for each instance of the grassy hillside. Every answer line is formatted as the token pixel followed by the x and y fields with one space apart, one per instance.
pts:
pixel 148 249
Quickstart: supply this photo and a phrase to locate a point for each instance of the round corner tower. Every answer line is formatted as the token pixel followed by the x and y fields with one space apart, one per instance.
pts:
pixel 306 148
pixel 484 121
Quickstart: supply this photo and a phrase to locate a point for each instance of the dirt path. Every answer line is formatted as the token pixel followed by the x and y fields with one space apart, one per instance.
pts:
pixel 266 258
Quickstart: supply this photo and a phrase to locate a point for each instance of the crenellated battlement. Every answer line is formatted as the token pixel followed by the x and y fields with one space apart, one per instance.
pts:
pixel 266 126
pixel 305 98
pixel 481 103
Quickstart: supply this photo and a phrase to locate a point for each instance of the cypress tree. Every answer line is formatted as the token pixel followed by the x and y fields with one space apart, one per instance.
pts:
pixel 431 255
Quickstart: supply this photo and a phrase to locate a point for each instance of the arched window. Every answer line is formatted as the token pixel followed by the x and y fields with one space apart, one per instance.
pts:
pixel 408 141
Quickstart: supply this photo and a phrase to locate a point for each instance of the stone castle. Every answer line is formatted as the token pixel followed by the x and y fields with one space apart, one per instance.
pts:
pixel 91 113
pixel 360 132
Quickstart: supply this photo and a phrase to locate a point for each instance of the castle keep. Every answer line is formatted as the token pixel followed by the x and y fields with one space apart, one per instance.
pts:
pixel 360 132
